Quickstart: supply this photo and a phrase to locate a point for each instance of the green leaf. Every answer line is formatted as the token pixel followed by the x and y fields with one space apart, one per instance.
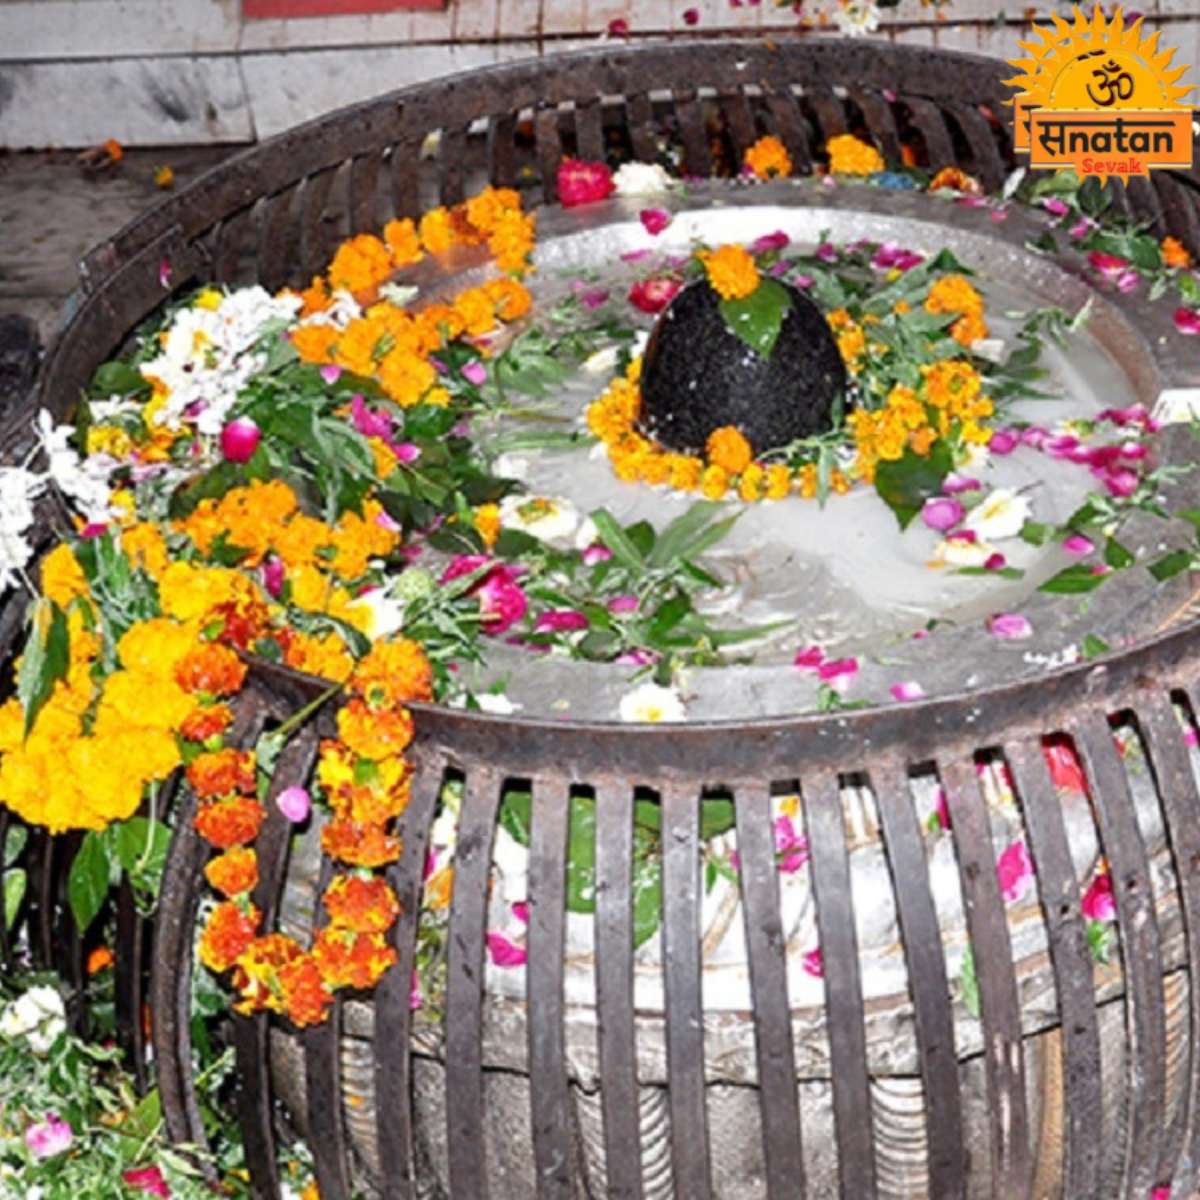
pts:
pixel 1094 646
pixel 906 483
pixel 615 538
pixel 14 893
pixel 716 818
pixel 14 843
pixel 1100 939
pixel 119 379
pixel 45 660
pixel 1116 555
pixel 515 815
pixel 668 615
pixel 515 543
pixel 1035 533
pixel 581 855
pixel 141 846
pixel 642 536
pixel 1073 580
pixel 969 983
pixel 647 898
pixel 758 317
pixel 87 883
pixel 1171 565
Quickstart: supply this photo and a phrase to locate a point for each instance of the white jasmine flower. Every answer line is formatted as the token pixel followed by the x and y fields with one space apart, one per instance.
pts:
pixel 855 18
pixel 650 704
pixel 641 179
pixel 545 517
pixel 1001 514
pixel 386 613
pixel 38 1015
pixel 85 480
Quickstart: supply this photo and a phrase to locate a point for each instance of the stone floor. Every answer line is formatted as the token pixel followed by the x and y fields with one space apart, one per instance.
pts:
pixel 54 207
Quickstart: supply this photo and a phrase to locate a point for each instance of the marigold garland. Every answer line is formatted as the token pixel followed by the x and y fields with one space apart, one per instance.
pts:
pixel 768 158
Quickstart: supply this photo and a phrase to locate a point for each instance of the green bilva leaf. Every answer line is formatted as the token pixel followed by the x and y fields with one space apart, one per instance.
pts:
pixel 969 984
pixel 581 855
pixel 45 660
pixel 141 846
pixel 907 482
pixel 615 538
pixel 1116 555
pixel 14 893
pixel 1094 646
pixel 87 883
pixel 758 317
pixel 1073 580
pixel 716 818
pixel 1171 565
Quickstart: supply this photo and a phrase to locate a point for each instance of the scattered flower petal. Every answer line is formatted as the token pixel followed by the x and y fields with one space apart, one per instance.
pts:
pixel 905 692
pixel 1014 870
pixel 1010 627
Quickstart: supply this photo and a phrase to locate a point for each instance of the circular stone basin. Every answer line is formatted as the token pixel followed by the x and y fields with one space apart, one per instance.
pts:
pixel 698 375
pixel 844 576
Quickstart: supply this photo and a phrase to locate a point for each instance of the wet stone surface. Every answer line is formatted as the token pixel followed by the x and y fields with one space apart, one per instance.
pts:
pixel 699 376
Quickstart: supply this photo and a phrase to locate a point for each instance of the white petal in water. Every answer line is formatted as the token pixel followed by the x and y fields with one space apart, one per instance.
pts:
pixel 1001 514
pixel 1177 406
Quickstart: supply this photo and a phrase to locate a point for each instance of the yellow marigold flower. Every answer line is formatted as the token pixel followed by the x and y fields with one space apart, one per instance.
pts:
pixel 360 264
pixel 298 541
pixel 62 576
pixel 360 345
pixel 750 486
pixel 511 241
pixel 808 481
pixel 486 209
pixel 768 158
pixel 475 311
pixel 921 440
pixel 109 439
pixel 124 702
pixel 314 343
pixel 145 548
pixel 157 646
pixel 316 298
pixel 685 472
pixel 728 448
pixel 851 344
pixel 510 298
pixel 186 591
pixel 437 397
pixel 714 482
pixel 437 231
pixel 731 271
pixel 901 307
pixel 209 298
pixel 374 733
pixel 406 378
pixel 12 725
pixel 438 888
pixel 487 523
pixel 953 294
pixel 968 329
pixel 779 482
pixel 850 156
pixel 1175 253
pixel 324 655
pixel 393 673
pixel 385 457
pixel 358 539
pixel 403 241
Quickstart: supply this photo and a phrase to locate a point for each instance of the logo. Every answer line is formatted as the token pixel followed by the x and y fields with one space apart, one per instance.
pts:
pixel 1100 99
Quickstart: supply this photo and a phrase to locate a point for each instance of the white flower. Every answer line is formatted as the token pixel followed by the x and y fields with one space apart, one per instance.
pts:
pixel 641 179
pixel 587 534
pixel 1002 514
pixel 39 1016
pixel 85 481
pixel 510 466
pixel 544 517
pixel 649 703
pixel 958 552
pixel 990 348
pixel 1177 406
pixel 603 362
pixel 855 18
pixel 496 702
pixel 385 613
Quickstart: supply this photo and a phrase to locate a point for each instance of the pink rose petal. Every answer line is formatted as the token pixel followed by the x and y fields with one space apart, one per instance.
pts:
pixel 1078 545
pixel 295 804
pixel 813 963
pixel 505 953
pixel 654 220
pixel 905 692
pixel 810 658
pixel 1098 901
pixel 475 372
pixel 1187 320
pixel 331 372
pixel 942 513
pixel 1010 627
pixel 1014 870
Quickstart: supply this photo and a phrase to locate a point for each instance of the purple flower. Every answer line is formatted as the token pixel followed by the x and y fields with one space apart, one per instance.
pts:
pixel 625 603
pixel 942 513
pixel 560 620
pixel 272 574
pixel 769 242
pixel 1081 228
pixel 654 220
pixel 639 657
pixel 49 1137
pixel 1055 206
pixel 1014 870
pixel 331 373
pixel 1187 320
pixel 596 297
pixel 790 847
pixel 1010 627
pixel 239 439
pixel 803 282
pixel 827 251
pixel 632 256
pixel 905 692
pixel 520 910
pixel 475 372
pixel 503 952
pixel 295 804
pixel 890 256
pixel 1003 441
pixel 1078 545
pixel 405 452
pixel 1127 281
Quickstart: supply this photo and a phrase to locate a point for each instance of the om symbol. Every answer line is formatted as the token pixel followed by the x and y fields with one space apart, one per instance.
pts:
pixel 1114 84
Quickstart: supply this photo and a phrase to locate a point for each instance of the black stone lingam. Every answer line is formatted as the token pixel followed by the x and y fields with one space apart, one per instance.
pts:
pixel 697 376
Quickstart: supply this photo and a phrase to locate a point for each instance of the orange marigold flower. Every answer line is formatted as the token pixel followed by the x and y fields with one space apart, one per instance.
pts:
pixel 957 180
pixel 1175 253
pixel 99 960
pixel 732 272
pixel 145 548
pixel 360 264
pixel 62 576
pixel 486 210
pixel 437 231
pixel 714 482
pixel 363 905
pixel 392 673
pixel 207 722
pixel 768 158
pixel 968 329
pixel 403 241
pixel 316 297
pixel 229 931
pixel 314 343
pixel 438 888
pixel 233 872
pixel 374 733
pixel 475 311
pixel 850 156
pixel 211 668
pixel 953 294
pixel 487 523
pixel 219 772
pixel 256 973
pixel 231 822
pixel 728 448
pixel 511 298
pixel 243 621
pixel 348 959
pixel 359 845
pixel 306 1000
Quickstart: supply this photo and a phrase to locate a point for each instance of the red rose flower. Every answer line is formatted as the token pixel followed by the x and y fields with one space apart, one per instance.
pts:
pixel 146 1179
pixel 653 295
pixel 1065 768
pixel 582 182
